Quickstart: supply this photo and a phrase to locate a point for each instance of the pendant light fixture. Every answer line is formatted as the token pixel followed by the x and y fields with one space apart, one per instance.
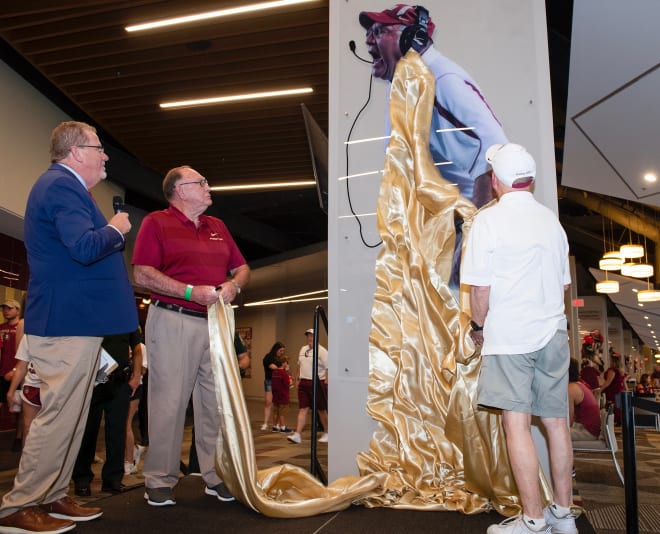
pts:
pixel 612 259
pixel 607 285
pixel 648 295
pixel 638 269
pixel 631 251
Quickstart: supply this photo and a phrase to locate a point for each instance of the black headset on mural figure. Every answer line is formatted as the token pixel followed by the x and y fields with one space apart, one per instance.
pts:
pixel 417 35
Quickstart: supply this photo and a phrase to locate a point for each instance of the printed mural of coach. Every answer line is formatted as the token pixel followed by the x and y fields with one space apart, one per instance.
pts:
pixel 432 448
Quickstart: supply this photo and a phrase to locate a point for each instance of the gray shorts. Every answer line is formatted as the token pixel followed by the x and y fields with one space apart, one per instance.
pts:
pixel 534 383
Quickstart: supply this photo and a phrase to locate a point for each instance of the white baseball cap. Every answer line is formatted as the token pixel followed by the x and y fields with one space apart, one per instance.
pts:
pixel 309 331
pixel 512 164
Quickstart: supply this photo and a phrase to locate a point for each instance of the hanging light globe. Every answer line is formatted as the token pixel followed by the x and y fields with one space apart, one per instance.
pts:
pixel 648 295
pixel 611 261
pixel 632 251
pixel 607 286
pixel 637 270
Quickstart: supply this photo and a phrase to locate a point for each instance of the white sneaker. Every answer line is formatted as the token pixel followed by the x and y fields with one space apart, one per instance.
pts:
pixel 129 468
pixel 516 525
pixel 137 453
pixel 559 525
pixel 324 438
pixel 276 428
pixel 294 438
pixel 264 427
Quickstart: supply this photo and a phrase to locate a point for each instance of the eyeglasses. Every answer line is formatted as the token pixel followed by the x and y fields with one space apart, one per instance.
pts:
pixel 201 183
pixel 99 148
pixel 377 30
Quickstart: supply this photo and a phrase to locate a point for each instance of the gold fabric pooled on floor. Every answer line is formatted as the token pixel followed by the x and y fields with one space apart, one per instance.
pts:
pixel 285 491
pixel 432 449
pixel 440 452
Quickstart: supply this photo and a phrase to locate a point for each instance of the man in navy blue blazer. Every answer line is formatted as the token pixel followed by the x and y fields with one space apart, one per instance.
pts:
pixel 78 292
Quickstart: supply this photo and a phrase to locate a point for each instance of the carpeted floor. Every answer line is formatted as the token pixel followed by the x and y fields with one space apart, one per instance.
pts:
pixel 197 512
pixel 603 496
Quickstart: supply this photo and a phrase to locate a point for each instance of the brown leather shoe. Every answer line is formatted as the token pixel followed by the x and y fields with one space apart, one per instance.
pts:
pixel 34 519
pixel 67 508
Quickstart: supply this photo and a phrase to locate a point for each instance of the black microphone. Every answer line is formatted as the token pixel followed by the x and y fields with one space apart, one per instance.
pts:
pixel 351 45
pixel 117 204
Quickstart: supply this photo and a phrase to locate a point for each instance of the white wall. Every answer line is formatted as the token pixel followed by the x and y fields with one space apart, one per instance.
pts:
pixel 27 121
pixel 503 45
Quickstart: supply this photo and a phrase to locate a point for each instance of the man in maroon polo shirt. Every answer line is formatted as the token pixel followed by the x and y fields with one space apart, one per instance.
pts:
pixel 183 257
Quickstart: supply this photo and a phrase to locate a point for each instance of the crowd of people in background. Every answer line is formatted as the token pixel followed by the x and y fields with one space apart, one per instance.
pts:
pixel 605 383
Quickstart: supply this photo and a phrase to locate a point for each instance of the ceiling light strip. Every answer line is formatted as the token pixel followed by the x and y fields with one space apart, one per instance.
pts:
pixel 277 299
pixel 270 185
pixel 253 304
pixel 290 298
pixel 212 15
pixel 235 98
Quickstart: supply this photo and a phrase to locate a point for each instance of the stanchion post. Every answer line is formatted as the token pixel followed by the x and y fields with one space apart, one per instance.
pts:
pixel 625 401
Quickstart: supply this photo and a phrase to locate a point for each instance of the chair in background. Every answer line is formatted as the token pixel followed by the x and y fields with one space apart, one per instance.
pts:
pixel 646 418
pixel 606 443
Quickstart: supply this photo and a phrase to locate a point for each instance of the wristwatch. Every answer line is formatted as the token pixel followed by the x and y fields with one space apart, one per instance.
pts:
pixel 476 327
pixel 238 288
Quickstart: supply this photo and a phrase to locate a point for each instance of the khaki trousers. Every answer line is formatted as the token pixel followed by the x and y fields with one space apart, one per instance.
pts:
pixel 179 365
pixel 67 368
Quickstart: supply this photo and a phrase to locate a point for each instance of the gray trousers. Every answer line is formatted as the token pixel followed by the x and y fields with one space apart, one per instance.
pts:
pixel 179 364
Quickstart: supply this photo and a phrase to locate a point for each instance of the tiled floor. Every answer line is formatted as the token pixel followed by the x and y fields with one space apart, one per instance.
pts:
pixel 597 485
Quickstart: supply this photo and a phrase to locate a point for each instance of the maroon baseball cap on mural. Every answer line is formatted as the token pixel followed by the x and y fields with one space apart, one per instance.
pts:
pixel 400 14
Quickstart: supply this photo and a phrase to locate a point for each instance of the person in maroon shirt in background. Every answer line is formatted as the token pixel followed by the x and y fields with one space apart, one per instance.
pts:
pixel 281 382
pixel 583 408
pixel 645 385
pixel 655 377
pixel 590 374
pixel 615 383
pixel 11 310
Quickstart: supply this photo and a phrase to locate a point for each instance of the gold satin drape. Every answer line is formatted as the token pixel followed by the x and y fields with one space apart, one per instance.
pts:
pixel 440 452
pixel 432 449
pixel 282 491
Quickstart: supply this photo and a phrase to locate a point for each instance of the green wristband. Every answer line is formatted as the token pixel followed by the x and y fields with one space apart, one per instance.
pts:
pixel 188 292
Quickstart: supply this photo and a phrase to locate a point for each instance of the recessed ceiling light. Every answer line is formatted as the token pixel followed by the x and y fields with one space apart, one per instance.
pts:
pixel 234 98
pixel 650 178
pixel 212 14
pixel 298 184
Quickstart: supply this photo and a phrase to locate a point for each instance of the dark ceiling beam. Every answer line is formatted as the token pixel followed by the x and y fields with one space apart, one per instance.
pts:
pixel 636 222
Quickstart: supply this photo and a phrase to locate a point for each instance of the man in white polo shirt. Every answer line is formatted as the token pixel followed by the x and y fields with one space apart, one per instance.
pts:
pixel 306 390
pixel 516 264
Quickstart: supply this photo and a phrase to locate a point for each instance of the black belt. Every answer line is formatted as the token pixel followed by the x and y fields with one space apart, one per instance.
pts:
pixel 179 309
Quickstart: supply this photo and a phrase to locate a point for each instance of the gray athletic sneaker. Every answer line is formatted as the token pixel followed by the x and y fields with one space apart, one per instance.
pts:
pixel 160 496
pixel 220 491
pixel 559 525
